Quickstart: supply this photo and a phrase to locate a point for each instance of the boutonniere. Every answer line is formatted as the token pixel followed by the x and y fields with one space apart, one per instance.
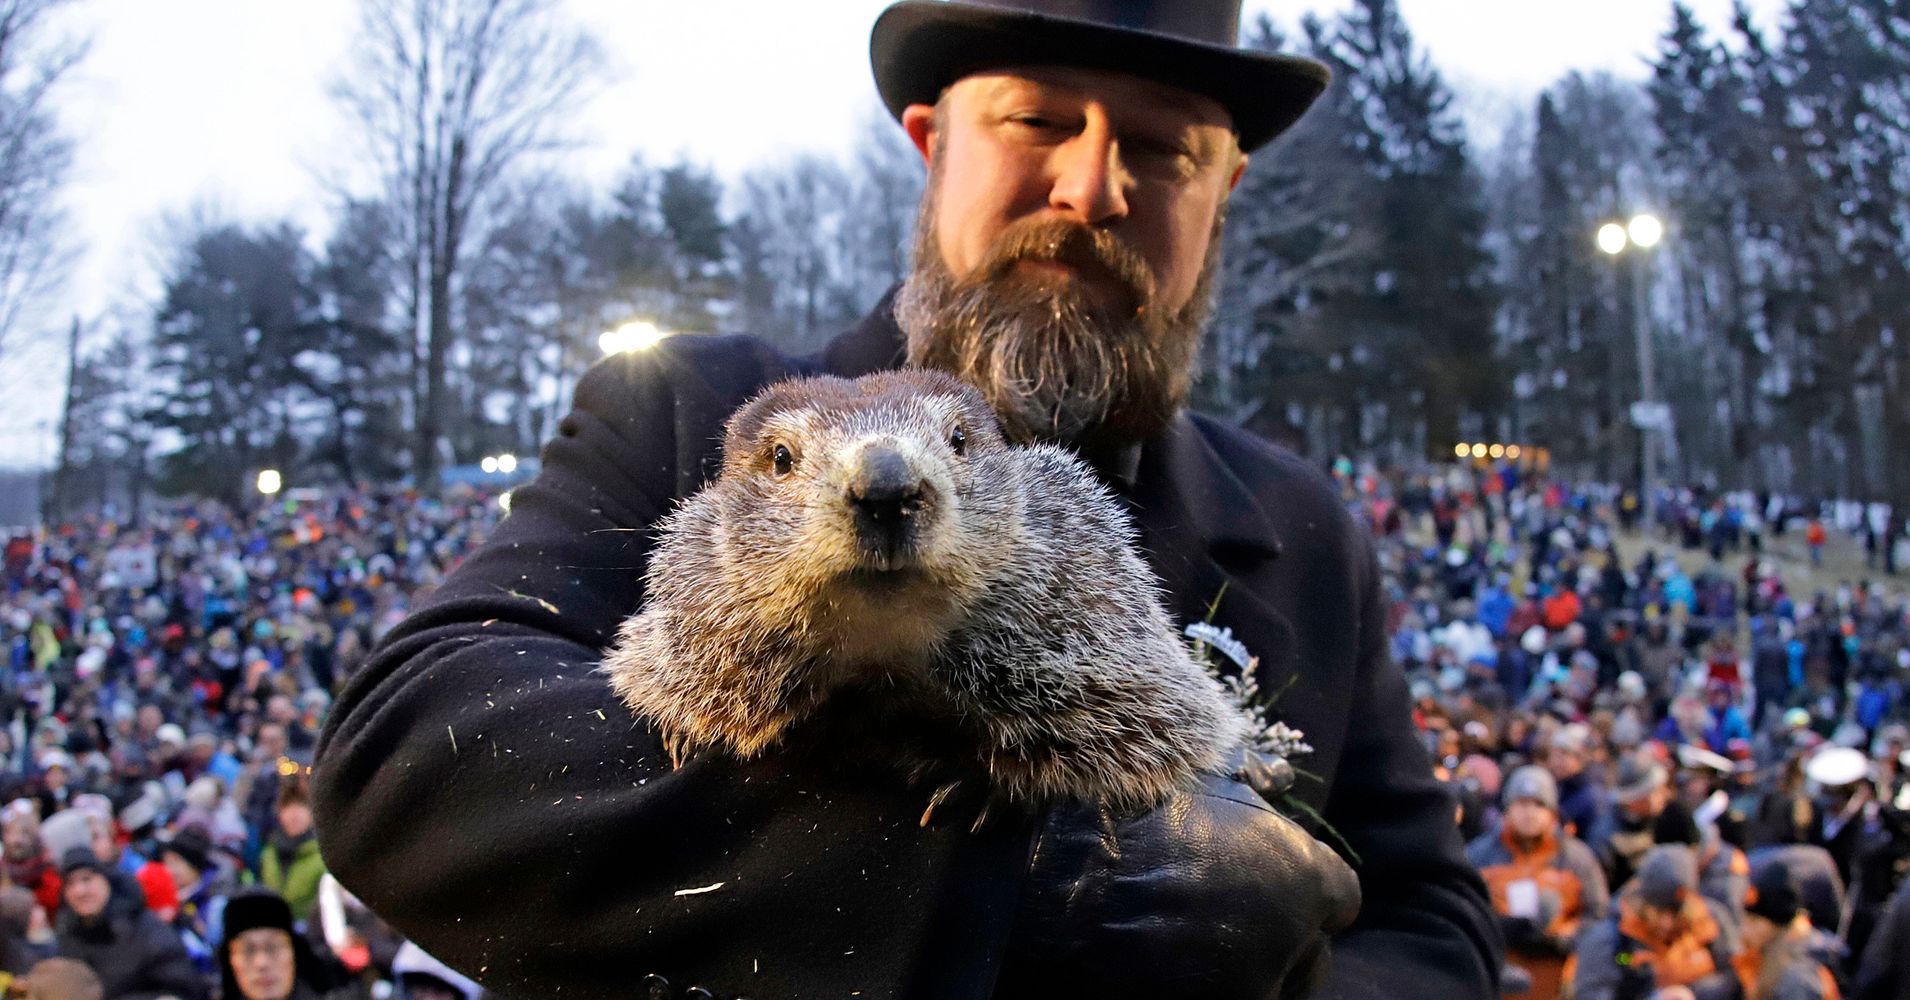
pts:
pixel 1277 743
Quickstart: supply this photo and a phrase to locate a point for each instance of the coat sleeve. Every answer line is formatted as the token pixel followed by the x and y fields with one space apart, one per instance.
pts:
pixel 482 789
pixel 1426 926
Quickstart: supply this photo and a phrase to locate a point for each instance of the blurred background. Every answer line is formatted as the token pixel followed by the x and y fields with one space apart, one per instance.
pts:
pixel 227 246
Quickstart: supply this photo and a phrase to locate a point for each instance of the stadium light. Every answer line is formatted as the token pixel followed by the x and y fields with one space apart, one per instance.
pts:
pixel 1645 231
pixel 636 336
pixel 504 501
pixel 1461 450
pixel 270 481
pixel 489 465
pixel 1612 238
pixel 1497 451
pixel 507 463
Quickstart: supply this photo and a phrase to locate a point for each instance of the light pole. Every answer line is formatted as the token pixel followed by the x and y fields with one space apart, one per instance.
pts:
pixel 1649 415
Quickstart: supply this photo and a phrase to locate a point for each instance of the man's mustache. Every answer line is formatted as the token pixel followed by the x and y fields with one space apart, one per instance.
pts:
pixel 1063 242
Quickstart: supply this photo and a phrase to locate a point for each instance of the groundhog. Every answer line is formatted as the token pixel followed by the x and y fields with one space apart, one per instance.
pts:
pixel 879 535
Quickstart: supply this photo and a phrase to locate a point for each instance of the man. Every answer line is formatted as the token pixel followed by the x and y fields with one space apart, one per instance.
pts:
pixel 479 785
pixel 1648 813
pixel 1581 802
pixel 1544 882
pixel 1784 956
pixel 132 952
pixel 262 956
pixel 1666 940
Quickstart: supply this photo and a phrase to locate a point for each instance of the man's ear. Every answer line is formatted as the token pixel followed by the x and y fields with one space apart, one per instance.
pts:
pixel 918 120
pixel 1240 170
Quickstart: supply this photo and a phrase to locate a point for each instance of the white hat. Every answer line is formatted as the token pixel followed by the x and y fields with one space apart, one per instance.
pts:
pixel 171 733
pixel 1834 767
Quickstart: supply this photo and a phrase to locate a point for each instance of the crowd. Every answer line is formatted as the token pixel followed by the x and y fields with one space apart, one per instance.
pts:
pixel 165 682
pixel 1680 760
pixel 1680 769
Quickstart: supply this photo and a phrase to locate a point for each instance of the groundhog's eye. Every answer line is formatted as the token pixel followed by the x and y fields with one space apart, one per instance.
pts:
pixel 958 440
pixel 784 460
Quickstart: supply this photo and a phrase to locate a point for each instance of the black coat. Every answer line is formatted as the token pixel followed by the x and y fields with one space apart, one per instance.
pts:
pixel 481 787
pixel 135 956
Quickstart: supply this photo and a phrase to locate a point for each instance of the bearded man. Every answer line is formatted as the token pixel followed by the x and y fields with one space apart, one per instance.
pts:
pixel 480 786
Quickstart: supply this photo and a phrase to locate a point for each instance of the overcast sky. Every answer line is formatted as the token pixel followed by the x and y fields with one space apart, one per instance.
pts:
pixel 220 106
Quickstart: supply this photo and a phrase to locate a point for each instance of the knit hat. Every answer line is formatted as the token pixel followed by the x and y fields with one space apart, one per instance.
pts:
pixel 1668 874
pixel 1639 774
pixel 65 830
pixel 193 847
pixel 1532 783
pixel 78 858
pixel 1776 893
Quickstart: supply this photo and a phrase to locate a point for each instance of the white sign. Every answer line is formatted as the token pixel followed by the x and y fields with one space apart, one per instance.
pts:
pixel 1651 416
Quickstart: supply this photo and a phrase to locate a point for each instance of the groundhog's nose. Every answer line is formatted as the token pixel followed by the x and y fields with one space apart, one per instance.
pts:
pixel 885 492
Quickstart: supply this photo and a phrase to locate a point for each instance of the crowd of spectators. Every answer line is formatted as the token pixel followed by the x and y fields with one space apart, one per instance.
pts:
pixel 1679 751
pixel 166 678
pixel 1679 745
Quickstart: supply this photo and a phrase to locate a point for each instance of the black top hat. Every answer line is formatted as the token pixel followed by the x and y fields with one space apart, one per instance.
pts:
pixel 919 47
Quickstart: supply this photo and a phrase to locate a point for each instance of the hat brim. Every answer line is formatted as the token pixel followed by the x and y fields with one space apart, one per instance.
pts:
pixel 919 47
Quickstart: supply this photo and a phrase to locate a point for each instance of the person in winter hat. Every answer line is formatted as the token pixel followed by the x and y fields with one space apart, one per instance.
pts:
pixel 131 951
pixel 263 957
pixel 1666 939
pixel 1784 956
pixel 1544 882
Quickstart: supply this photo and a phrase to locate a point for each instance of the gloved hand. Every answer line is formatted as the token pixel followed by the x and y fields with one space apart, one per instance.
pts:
pixel 1525 936
pixel 1212 894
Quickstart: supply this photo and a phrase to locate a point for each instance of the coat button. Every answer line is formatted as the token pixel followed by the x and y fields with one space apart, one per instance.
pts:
pixel 698 993
pixel 656 987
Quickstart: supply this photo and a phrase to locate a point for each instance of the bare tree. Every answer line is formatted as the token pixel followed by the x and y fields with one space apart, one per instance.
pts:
pixel 34 156
pixel 453 96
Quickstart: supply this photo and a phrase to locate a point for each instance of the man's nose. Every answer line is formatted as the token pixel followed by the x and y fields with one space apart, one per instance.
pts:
pixel 1090 183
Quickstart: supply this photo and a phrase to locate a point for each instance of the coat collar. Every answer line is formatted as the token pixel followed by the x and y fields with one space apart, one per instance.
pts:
pixel 1179 475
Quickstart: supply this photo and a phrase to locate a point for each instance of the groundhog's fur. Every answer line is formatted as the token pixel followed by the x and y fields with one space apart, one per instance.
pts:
pixel 1016 608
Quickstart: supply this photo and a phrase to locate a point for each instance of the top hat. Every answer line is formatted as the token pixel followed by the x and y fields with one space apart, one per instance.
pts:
pixel 919 47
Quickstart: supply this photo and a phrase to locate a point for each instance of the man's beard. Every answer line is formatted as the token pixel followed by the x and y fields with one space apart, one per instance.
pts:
pixel 1056 362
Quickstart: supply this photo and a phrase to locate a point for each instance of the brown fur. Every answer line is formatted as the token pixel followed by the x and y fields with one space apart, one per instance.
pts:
pixel 1020 614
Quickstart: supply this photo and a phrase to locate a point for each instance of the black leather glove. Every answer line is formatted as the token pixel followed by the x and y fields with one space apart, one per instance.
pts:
pixel 1212 894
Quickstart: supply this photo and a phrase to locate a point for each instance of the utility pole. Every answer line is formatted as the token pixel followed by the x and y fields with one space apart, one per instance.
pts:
pixel 1648 430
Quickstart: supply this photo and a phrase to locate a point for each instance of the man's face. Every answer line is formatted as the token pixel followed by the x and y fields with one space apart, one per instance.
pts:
pixel 1064 257
pixel 21 839
pixel 86 892
pixel 1563 763
pixel 263 963
pixel 1663 922
pixel 1530 820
